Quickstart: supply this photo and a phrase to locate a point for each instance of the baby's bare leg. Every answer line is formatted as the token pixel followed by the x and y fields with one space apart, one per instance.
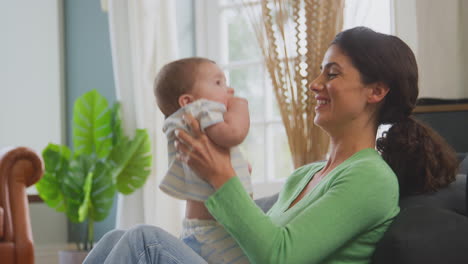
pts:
pixel 197 210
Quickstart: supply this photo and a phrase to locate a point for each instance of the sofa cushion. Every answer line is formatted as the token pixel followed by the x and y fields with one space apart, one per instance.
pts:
pixel 463 163
pixel 450 198
pixel 451 125
pixel 424 235
pixel 266 203
pixel 464 170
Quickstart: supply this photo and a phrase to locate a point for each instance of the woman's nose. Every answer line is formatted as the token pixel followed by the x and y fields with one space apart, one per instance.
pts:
pixel 316 85
pixel 230 90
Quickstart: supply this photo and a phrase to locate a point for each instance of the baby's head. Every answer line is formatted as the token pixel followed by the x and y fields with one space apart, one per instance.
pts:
pixel 186 80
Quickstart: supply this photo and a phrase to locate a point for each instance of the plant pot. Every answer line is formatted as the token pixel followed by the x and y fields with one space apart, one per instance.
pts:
pixel 72 256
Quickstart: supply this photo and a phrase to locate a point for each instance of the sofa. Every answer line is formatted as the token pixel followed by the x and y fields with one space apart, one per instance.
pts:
pixel 430 228
pixel 448 117
pixel 19 168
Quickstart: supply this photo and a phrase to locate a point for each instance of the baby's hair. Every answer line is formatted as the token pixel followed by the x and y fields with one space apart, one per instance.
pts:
pixel 175 79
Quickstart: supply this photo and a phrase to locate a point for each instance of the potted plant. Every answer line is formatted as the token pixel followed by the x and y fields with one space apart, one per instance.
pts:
pixel 82 183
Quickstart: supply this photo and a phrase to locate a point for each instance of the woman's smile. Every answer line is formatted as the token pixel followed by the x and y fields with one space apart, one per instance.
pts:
pixel 321 102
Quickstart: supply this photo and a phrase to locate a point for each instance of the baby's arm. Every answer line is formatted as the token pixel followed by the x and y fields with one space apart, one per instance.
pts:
pixel 233 130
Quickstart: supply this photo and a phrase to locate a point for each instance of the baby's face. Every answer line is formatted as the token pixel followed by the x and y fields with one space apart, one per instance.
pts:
pixel 211 84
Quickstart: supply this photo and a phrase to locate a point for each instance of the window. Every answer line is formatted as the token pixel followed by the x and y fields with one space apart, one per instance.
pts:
pixel 370 13
pixel 224 35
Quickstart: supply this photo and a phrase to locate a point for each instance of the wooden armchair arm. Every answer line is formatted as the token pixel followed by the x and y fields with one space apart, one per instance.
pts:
pixel 1 223
pixel 19 168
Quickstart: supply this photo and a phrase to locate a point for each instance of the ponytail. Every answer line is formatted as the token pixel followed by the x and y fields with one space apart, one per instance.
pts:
pixel 421 159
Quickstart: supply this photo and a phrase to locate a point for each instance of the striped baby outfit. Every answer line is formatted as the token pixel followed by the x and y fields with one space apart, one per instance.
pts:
pixel 211 241
pixel 180 181
pixel 206 237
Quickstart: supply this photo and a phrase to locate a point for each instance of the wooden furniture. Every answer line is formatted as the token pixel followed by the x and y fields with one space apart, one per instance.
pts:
pixel 20 167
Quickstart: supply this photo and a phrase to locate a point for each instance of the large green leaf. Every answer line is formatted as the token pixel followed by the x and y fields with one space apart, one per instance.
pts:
pixel 74 185
pixel 99 192
pixel 56 159
pixel 86 204
pixel 92 125
pixel 133 159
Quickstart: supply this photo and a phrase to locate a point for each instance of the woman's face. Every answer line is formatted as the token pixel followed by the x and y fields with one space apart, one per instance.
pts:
pixel 340 94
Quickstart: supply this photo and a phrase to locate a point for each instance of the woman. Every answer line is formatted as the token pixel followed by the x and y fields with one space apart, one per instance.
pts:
pixel 328 212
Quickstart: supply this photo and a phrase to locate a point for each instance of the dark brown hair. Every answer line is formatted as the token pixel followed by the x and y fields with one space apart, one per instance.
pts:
pixel 173 80
pixel 420 158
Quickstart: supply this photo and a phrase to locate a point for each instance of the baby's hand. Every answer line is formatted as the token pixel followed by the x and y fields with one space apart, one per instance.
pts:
pixel 235 102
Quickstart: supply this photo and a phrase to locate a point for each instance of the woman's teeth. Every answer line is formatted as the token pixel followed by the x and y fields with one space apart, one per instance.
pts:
pixel 322 102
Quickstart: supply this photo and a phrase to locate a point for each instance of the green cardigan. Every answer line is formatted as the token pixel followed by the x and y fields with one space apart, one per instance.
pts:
pixel 338 221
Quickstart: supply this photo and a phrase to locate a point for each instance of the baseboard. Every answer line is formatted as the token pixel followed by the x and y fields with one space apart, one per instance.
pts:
pixel 48 254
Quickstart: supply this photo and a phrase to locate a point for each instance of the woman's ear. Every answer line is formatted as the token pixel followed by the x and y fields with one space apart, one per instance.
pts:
pixel 185 99
pixel 378 92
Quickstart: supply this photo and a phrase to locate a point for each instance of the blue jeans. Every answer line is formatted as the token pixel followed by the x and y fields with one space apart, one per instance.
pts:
pixel 142 244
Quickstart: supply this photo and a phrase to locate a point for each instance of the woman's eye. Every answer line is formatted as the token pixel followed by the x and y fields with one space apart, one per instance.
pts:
pixel 332 76
pixel 218 82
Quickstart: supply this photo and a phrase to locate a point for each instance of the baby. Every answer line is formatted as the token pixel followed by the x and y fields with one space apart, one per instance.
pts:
pixel 198 86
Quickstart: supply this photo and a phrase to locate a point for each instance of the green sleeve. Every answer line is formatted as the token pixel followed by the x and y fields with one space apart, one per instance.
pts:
pixel 355 203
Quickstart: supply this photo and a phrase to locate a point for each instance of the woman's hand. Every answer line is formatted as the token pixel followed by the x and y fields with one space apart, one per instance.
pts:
pixel 210 161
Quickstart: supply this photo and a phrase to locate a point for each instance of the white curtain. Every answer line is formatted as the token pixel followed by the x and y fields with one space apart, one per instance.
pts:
pixel 143 38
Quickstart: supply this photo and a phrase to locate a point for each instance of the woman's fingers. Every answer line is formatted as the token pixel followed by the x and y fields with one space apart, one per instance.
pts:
pixel 186 143
pixel 193 124
pixel 183 151
pixel 208 160
pixel 184 138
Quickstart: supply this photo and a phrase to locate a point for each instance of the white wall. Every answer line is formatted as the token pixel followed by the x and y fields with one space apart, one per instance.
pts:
pixel 436 31
pixel 31 96
pixel 49 232
pixel 31 112
pixel 405 24
pixel 464 47
pixel 439 48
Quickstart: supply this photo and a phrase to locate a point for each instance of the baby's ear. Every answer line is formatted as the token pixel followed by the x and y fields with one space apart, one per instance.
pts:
pixel 185 99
